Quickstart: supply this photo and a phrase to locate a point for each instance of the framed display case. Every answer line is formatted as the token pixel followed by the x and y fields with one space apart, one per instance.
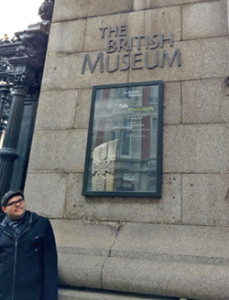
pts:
pixel 124 148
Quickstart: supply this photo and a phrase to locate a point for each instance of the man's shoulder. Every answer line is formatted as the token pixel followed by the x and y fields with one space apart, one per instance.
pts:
pixel 34 217
pixel 2 221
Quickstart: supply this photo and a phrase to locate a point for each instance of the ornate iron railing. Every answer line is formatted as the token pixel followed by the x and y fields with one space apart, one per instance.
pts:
pixel 21 68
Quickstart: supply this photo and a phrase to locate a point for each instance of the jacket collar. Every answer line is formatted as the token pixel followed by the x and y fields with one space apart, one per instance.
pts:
pixel 31 217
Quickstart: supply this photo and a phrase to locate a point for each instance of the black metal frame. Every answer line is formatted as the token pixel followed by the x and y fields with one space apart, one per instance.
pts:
pixel 158 193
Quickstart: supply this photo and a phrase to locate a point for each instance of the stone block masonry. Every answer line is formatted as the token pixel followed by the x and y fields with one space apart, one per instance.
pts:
pixel 134 248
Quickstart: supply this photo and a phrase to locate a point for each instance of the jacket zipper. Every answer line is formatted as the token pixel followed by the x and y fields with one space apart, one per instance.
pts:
pixel 14 272
pixel 15 258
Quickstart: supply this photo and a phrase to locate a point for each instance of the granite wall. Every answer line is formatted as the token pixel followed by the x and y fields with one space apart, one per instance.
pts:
pixel 173 246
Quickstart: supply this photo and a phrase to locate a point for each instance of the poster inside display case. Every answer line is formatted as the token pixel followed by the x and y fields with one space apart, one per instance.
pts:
pixel 124 150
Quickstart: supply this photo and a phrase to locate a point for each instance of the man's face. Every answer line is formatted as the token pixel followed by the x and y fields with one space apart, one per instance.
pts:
pixel 15 208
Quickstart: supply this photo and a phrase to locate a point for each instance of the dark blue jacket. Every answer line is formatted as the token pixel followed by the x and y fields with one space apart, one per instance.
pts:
pixel 28 266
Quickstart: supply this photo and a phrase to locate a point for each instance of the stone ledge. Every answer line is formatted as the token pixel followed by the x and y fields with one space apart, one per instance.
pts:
pixel 77 294
pixel 198 281
pixel 152 259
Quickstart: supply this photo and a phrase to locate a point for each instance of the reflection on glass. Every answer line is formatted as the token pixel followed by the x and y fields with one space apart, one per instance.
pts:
pixel 124 139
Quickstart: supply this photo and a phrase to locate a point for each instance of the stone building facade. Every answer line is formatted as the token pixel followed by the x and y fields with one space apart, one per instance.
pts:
pixel 134 247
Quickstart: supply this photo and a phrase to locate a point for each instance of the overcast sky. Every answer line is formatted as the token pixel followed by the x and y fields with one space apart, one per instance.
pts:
pixel 16 15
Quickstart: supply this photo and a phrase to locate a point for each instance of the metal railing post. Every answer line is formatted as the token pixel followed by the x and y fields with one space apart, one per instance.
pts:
pixel 8 153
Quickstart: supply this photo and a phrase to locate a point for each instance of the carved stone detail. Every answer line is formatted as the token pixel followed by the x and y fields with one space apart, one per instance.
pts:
pixel 46 9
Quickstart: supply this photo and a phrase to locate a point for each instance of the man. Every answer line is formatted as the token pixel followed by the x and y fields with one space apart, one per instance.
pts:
pixel 28 256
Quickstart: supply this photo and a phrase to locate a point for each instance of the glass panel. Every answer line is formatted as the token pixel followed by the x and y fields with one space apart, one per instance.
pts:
pixel 124 146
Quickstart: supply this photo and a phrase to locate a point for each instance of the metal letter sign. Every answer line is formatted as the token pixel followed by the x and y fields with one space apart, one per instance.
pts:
pixel 124 150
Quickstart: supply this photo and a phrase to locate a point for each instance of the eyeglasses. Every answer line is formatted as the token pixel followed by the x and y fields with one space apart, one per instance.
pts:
pixel 16 202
